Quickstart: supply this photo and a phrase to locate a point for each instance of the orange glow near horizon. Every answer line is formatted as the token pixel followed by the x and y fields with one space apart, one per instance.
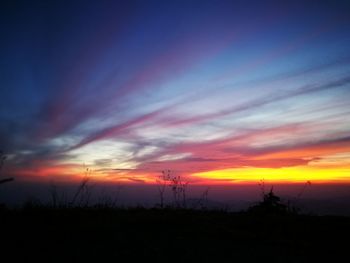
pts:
pixel 295 174
pixel 334 168
pixel 244 175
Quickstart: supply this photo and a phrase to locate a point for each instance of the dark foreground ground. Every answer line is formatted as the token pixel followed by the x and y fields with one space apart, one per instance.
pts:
pixel 106 235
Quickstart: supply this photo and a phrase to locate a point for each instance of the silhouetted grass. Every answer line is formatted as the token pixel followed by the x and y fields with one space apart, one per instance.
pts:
pixel 121 234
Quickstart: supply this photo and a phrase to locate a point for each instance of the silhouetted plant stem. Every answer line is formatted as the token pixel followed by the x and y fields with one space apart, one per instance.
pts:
pixel 2 160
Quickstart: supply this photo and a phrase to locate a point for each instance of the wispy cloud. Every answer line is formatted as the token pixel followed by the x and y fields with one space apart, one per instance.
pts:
pixel 132 91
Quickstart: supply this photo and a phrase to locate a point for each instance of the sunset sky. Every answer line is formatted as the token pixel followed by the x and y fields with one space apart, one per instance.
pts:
pixel 219 92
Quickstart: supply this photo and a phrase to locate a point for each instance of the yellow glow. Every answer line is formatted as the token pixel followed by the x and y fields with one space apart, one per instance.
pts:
pixel 279 175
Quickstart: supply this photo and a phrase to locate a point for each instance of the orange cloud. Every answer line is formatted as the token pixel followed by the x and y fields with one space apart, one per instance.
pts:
pixel 308 151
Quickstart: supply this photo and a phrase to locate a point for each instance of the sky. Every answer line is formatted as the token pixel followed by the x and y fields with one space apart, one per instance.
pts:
pixel 217 92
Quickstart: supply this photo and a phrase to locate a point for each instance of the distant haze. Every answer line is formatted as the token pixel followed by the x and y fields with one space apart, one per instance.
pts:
pixel 316 199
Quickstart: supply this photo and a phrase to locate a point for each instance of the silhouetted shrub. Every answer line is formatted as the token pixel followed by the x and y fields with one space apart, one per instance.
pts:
pixel 271 204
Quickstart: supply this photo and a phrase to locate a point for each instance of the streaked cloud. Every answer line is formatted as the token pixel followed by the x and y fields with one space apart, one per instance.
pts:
pixel 199 89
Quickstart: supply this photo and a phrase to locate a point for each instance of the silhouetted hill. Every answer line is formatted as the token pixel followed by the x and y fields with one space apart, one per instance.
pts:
pixel 120 235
